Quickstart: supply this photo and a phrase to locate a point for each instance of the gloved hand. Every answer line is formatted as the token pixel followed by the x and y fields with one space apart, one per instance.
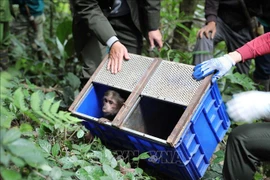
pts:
pixel 221 65
pixel 249 106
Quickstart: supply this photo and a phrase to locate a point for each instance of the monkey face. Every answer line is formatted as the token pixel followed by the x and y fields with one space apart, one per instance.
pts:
pixel 112 102
pixel 110 106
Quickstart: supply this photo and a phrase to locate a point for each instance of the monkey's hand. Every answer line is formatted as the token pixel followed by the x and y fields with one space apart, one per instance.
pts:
pixel 118 52
pixel 249 106
pixel 103 120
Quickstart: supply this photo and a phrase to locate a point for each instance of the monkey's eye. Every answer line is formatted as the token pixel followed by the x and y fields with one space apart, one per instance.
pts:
pixel 110 102
pixel 105 100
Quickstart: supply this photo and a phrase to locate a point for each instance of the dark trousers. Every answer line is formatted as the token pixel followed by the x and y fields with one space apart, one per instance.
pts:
pixel 247 146
pixel 91 52
pixel 204 49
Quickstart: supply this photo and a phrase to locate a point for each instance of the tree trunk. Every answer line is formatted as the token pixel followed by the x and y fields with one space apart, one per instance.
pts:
pixel 180 34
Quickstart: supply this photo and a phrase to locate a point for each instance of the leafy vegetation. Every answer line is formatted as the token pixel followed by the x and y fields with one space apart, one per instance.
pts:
pixel 40 139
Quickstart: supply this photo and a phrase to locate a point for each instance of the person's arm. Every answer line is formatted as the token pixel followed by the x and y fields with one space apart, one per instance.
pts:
pixel 90 12
pixel 220 66
pixel 257 47
pixel 152 13
pixel 211 11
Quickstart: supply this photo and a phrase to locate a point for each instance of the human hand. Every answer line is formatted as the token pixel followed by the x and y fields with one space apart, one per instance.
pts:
pixel 221 65
pixel 249 106
pixel 118 52
pixel 155 36
pixel 210 27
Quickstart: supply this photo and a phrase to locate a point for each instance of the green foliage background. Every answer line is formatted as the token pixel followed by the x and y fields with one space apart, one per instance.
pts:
pixel 39 139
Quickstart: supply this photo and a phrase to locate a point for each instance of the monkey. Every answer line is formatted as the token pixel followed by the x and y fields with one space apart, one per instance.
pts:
pixel 112 102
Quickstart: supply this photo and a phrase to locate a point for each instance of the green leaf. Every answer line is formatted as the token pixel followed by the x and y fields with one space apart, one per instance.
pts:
pixel 112 173
pixel 35 101
pixel 258 176
pixel 69 47
pixel 80 134
pixel 71 119
pixel 19 100
pixel 6 117
pixel 45 167
pixel 50 95
pixel 73 80
pixel 139 171
pixel 218 160
pixel 94 171
pixel 55 149
pixel 85 149
pixel 46 105
pixel 45 145
pixel 11 135
pixel 26 127
pixel 64 30
pixel 105 178
pixel 56 173
pixel 110 158
pixel 10 174
pixel 68 162
pixel 28 151
pixel 144 155
pixel 54 107
pixel 82 174
pixel 61 50
pixel 4 156
pixel 17 161
pixel 32 116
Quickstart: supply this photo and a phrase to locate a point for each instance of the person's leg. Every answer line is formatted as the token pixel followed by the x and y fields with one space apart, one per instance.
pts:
pixel 203 50
pixel 38 38
pixel 261 75
pixel 247 146
pixel 204 47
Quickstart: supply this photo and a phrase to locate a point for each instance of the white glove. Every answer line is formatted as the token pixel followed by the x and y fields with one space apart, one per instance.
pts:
pixel 249 106
pixel 221 65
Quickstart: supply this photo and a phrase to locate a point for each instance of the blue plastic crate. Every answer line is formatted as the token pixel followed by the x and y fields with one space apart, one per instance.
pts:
pixel 190 157
pixel 179 135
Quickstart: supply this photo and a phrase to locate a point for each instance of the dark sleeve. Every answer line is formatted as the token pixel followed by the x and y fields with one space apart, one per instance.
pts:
pixel 90 12
pixel 152 11
pixel 257 47
pixel 211 10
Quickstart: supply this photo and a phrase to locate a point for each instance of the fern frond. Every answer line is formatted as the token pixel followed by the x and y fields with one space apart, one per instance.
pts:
pixel 35 101
pixel 55 107
pixel 46 106
pixel 18 100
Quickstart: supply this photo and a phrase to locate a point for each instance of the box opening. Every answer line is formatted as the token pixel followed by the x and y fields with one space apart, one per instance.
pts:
pixel 154 117
pixel 91 106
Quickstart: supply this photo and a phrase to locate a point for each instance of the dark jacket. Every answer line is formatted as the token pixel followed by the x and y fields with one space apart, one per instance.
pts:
pixel 232 12
pixel 36 7
pixel 144 13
